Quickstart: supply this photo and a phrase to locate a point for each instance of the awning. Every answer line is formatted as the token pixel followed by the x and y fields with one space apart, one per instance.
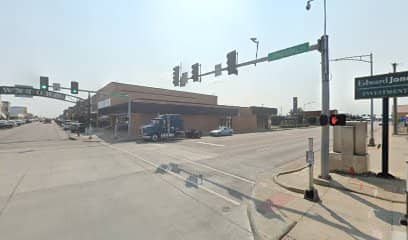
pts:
pixel 163 108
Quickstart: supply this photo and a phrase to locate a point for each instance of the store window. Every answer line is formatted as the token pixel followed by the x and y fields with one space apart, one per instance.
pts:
pixel 225 122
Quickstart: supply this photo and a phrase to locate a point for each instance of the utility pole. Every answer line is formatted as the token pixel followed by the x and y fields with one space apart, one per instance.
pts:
pixel 371 141
pixel 130 117
pixel 89 115
pixel 325 133
pixel 394 106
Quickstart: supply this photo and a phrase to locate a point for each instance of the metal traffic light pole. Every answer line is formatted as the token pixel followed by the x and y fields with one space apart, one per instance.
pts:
pixel 323 47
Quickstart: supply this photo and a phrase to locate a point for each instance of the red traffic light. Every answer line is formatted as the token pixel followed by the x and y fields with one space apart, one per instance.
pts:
pixel 338 120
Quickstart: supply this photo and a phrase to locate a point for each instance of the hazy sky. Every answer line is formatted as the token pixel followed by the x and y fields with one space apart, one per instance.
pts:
pixel 139 42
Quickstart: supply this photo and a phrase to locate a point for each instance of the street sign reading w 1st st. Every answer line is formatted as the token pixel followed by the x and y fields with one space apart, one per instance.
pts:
pixel 287 52
pixel 31 92
pixel 379 86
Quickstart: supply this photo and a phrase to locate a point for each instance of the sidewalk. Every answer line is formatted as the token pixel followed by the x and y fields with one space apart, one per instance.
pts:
pixel 106 135
pixel 277 213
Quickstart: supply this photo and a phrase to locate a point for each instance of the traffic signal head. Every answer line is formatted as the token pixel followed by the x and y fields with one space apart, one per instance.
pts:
pixel 232 63
pixel 44 83
pixel 74 87
pixel 338 120
pixel 176 76
pixel 183 79
pixel 195 72
pixel 324 120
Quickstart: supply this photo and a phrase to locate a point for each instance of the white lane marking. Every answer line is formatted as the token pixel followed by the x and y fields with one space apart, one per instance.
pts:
pixel 215 169
pixel 220 171
pixel 211 144
pixel 176 175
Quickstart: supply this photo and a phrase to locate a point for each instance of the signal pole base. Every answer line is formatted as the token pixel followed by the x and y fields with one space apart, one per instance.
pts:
pixel 403 221
pixel 328 177
pixel 371 143
pixel 385 175
pixel 312 195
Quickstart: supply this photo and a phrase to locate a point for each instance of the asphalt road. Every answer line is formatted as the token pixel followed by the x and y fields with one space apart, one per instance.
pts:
pixel 55 188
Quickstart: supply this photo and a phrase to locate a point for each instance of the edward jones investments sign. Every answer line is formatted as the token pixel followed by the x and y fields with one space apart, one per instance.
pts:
pixel 379 86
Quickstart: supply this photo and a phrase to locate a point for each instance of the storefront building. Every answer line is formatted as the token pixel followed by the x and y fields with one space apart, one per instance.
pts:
pixel 115 102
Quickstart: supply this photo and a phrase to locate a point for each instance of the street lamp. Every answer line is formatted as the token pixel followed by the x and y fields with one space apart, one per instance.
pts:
pixel 325 130
pixel 256 41
pixel 309 6
pixel 361 58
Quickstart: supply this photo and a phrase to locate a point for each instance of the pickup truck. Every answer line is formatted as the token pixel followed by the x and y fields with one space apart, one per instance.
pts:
pixel 167 126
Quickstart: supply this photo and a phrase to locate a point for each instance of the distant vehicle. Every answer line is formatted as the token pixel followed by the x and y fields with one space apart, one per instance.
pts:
pixel 19 122
pixel 222 131
pixel 67 125
pixel 76 126
pixel 163 126
pixel 47 120
pixel 167 126
pixel 366 119
pixel 12 123
pixel 5 124
pixel 193 133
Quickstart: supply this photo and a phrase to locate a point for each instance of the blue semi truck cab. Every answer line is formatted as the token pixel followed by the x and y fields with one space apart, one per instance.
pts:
pixel 163 126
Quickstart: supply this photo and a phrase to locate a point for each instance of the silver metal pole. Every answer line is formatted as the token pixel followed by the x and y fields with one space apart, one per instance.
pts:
pixel 325 133
pixel 394 107
pixel 311 187
pixel 371 143
pixel 115 130
pixel 130 118
pixel 325 32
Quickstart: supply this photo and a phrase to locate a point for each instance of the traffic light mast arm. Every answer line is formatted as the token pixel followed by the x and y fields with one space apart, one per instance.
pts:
pixel 264 59
pixel 79 90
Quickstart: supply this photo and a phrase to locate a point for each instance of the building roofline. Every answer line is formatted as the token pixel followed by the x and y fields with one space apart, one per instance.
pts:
pixel 178 91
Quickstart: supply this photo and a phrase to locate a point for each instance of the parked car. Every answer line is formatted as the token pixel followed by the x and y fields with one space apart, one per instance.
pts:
pixel 222 131
pixel 67 125
pixel 76 126
pixel 12 123
pixel 19 122
pixel 193 133
pixel 5 124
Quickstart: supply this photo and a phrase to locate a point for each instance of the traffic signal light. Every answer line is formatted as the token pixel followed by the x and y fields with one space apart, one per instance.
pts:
pixel 44 83
pixel 195 72
pixel 232 63
pixel 176 76
pixel 324 120
pixel 74 87
pixel 338 119
pixel 183 79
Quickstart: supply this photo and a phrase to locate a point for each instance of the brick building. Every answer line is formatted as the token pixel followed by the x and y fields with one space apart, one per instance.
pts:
pixel 113 102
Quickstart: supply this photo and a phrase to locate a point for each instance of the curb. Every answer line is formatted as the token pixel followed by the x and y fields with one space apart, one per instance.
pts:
pixel 288 187
pixel 258 234
pixel 326 183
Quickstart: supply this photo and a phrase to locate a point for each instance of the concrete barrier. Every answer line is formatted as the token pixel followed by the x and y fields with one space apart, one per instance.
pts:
pixel 350 148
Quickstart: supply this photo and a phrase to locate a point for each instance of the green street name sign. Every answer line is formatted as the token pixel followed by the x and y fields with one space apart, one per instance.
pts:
pixel 379 86
pixel 287 52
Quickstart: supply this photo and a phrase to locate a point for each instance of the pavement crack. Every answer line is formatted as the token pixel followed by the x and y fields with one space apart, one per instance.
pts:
pixel 10 197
